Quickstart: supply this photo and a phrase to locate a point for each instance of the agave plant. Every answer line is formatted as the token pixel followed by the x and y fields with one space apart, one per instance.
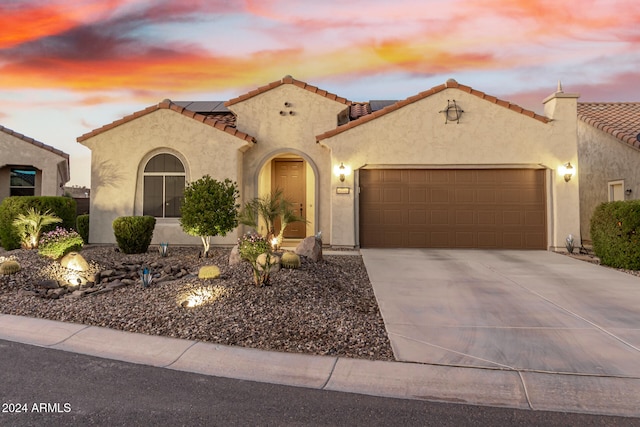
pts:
pixel 29 226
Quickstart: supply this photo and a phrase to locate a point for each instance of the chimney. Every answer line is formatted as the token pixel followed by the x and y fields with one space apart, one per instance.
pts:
pixel 560 105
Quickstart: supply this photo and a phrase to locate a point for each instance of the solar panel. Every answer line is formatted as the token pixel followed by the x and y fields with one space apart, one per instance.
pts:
pixel 204 106
pixel 380 104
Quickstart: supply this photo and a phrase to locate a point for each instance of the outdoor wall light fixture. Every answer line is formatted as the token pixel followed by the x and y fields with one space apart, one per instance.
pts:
pixel 342 171
pixel 568 171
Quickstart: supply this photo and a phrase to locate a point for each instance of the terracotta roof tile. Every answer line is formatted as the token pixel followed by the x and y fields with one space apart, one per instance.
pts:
pixel 620 119
pixel 287 80
pixel 34 142
pixel 359 109
pixel 450 84
pixel 219 121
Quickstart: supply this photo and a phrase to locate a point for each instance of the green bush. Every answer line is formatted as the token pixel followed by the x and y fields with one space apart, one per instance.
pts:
pixel 615 234
pixel 134 233
pixel 59 242
pixel 62 207
pixel 82 225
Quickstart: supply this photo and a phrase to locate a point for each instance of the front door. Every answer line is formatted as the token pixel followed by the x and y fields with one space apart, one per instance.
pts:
pixel 289 176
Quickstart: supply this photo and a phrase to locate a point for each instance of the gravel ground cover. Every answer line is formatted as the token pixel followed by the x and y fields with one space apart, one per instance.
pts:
pixel 324 308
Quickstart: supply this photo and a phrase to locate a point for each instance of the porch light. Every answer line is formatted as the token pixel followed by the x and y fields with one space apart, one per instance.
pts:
pixel 342 171
pixel 568 171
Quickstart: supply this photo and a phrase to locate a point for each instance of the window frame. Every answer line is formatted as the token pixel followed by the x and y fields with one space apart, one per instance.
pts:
pixel 164 175
pixel 29 169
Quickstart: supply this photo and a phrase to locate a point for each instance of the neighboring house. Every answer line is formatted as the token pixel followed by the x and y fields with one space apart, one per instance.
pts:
pixel 448 167
pixel 29 167
pixel 609 155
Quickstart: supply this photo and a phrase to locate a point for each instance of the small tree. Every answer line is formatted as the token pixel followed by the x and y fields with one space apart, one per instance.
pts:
pixel 209 209
pixel 269 208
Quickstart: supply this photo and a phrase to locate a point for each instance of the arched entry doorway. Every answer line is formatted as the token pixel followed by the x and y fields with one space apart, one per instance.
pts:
pixel 295 175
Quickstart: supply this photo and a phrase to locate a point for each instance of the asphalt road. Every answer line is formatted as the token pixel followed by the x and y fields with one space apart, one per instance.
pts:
pixel 40 386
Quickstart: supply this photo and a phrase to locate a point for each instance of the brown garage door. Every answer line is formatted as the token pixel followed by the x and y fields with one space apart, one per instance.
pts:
pixel 462 208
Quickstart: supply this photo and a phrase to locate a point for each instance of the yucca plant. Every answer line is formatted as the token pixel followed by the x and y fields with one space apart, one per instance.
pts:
pixel 29 226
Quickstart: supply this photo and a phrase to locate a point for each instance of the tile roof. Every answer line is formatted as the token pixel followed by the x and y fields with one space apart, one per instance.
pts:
pixel 287 80
pixel 449 84
pixel 213 120
pixel 620 119
pixel 34 142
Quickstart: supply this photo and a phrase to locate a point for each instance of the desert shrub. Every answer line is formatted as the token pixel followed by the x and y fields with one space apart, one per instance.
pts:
pixel 82 225
pixel 59 242
pixel 615 234
pixel 134 233
pixel 62 207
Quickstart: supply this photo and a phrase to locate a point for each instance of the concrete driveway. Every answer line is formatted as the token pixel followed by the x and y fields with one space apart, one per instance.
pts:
pixel 522 310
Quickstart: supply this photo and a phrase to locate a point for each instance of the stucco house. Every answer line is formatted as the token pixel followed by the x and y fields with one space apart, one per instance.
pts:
pixel 29 167
pixel 609 155
pixel 448 167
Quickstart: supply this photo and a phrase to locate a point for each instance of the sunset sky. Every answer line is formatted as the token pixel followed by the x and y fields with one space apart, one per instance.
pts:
pixel 70 66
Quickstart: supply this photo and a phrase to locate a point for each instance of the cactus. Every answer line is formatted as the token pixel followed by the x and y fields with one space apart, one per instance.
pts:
pixel 290 260
pixel 209 272
pixel 9 267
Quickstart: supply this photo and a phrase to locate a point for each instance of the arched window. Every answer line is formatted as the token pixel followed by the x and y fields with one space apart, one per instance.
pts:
pixel 164 180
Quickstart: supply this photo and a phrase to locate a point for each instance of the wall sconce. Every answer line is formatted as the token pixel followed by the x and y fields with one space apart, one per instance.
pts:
pixel 568 171
pixel 342 171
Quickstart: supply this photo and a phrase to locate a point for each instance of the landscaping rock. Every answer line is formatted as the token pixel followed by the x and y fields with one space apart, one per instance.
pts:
pixel 234 256
pixel 48 284
pixel 74 261
pixel 311 248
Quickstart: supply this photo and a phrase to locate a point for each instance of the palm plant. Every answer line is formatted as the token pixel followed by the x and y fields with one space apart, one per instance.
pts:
pixel 269 209
pixel 29 226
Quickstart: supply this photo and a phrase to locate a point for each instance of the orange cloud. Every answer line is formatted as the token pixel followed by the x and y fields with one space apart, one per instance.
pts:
pixel 31 21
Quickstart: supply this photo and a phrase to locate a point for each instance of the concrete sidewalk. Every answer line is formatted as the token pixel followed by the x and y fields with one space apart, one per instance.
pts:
pixel 480 386
pixel 527 330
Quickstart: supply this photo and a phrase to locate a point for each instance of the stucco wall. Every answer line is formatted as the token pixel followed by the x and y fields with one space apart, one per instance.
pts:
pixel 119 156
pixel 278 134
pixel 603 158
pixel 488 135
pixel 17 152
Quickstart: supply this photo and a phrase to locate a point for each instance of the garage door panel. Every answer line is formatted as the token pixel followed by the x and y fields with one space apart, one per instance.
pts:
pixel 453 208
pixel 392 195
pixel 418 217
pixel 464 218
pixel 464 239
pixel 417 195
pixel 440 217
pixel 439 195
pixel 487 239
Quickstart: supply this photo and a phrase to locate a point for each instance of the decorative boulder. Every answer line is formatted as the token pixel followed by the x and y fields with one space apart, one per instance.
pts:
pixel 311 248
pixel 234 256
pixel 74 261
